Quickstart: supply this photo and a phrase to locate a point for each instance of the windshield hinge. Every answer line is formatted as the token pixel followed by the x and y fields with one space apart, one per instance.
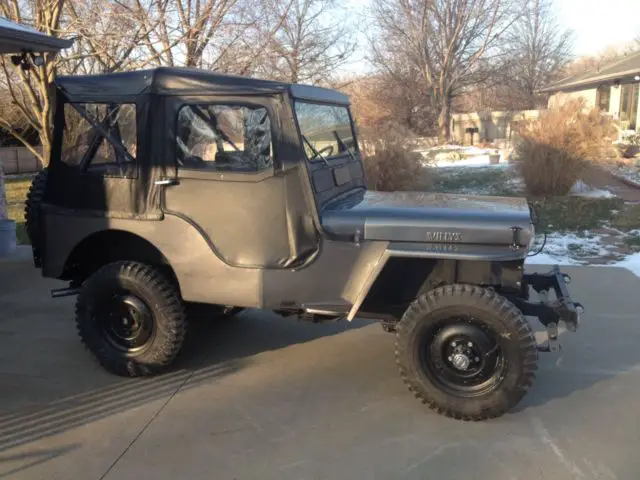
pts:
pixel 357 237
pixel 515 243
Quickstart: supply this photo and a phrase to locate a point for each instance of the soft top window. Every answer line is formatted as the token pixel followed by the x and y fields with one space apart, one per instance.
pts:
pixel 224 137
pixel 326 130
pixel 98 134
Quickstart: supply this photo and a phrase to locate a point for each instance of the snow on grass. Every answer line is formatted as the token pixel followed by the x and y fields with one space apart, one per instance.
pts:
pixel 573 250
pixel 630 262
pixel 581 189
pixel 458 156
pixel 629 172
pixel 473 161
pixel 570 249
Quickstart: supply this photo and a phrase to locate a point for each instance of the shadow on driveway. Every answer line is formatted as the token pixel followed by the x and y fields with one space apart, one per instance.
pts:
pixel 45 368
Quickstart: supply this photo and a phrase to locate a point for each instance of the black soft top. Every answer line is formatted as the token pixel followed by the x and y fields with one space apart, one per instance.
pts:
pixel 183 81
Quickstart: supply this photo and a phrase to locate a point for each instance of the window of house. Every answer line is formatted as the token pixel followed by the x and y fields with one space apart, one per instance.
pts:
pixel 84 139
pixel 604 96
pixel 629 105
pixel 224 137
pixel 326 130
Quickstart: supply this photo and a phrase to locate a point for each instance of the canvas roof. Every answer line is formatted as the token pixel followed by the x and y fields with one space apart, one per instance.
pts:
pixel 184 81
pixel 15 38
pixel 624 68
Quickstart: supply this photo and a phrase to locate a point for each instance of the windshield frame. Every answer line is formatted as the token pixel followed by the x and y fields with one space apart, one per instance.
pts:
pixel 314 159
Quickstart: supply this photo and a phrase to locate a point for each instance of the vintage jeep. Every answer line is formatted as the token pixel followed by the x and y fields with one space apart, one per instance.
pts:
pixel 173 187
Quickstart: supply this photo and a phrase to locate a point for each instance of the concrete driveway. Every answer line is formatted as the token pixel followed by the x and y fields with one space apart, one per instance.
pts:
pixel 259 397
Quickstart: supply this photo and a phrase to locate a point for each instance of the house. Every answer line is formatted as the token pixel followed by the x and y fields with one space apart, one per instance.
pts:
pixel 614 88
pixel 495 127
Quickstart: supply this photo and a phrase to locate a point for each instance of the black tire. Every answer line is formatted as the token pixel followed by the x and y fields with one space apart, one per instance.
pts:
pixel 438 324
pixel 154 317
pixel 32 213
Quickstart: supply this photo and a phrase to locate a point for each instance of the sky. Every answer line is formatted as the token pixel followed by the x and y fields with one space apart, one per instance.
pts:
pixel 596 24
pixel 599 23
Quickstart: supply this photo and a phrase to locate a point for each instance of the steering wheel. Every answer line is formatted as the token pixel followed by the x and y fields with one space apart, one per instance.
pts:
pixel 328 148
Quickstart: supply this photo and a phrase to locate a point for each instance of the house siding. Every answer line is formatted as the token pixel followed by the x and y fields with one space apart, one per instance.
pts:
pixel 590 96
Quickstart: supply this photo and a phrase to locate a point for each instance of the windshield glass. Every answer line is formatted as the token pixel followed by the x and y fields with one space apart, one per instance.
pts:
pixel 326 130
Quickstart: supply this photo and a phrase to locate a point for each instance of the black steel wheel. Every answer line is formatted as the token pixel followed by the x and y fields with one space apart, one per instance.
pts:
pixel 126 321
pixel 466 351
pixel 131 318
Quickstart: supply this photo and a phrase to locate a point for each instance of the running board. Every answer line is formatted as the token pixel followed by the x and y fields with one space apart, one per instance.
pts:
pixel 333 310
pixel 64 292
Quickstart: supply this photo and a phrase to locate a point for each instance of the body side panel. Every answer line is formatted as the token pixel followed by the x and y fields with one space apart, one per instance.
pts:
pixel 336 275
pixel 203 277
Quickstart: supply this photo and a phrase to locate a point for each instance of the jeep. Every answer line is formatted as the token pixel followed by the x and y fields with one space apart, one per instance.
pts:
pixel 174 187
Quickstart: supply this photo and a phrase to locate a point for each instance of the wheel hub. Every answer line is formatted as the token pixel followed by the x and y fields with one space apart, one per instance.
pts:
pixel 461 361
pixel 127 322
pixel 462 355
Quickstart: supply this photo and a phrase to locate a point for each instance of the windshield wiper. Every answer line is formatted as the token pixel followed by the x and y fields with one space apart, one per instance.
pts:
pixel 342 143
pixel 315 152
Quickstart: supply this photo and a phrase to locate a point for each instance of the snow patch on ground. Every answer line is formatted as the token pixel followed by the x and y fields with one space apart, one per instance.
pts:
pixel 547 259
pixel 629 172
pixel 459 156
pixel 631 263
pixel 570 249
pixel 479 160
pixel 581 189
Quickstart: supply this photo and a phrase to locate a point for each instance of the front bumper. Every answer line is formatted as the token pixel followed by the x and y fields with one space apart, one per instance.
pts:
pixel 550 312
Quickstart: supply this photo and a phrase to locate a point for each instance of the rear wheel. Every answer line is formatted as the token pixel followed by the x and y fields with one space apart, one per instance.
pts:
pixel 466 352
pixel 131 318
pixel 32 213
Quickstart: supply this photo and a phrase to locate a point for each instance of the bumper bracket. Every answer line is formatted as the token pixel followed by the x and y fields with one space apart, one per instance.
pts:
pixel 550 313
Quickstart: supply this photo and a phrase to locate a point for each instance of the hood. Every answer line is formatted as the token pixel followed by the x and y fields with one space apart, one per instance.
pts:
pixel 430 218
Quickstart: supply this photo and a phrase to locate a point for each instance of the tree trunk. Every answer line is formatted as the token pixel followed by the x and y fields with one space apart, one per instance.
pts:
pixel 444 121
pixel 3 199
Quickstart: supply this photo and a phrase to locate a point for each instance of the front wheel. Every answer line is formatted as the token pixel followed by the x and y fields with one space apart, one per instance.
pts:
pixel 466 352
pixel 131 317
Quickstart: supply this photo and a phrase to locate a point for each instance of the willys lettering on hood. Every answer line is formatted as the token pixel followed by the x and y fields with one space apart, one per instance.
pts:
pixel 430 218
pixel 445 237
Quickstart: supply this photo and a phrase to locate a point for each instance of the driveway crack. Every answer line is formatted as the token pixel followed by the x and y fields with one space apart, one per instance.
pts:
pixel 146 425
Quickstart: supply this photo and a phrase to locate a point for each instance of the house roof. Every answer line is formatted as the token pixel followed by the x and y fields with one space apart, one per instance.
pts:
pixel 626 67
pixel 15 38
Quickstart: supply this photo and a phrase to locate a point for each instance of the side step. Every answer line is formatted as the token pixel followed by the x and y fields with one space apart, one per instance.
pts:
pixel 64 292
pixel 318 312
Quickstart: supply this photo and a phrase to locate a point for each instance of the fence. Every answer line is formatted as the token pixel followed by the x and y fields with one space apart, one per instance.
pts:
pixel 489 126
pixel 17 160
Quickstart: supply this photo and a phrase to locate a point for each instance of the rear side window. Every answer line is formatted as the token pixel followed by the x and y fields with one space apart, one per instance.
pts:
pixel 224 138
pixel 84 142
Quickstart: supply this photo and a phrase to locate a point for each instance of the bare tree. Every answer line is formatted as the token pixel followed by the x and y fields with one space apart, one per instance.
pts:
pixel 446 42
pixel 313 41
pixel 595 62
pixel 28 90
pixel 536 51
pixel 110 35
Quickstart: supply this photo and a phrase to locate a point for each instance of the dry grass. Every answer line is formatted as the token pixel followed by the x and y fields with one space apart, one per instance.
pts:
pixel 555 149
pixel 389 162
pixel 16 190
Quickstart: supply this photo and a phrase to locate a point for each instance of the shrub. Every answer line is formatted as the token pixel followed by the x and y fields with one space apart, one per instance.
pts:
pixel 554 150
pixel 389 160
